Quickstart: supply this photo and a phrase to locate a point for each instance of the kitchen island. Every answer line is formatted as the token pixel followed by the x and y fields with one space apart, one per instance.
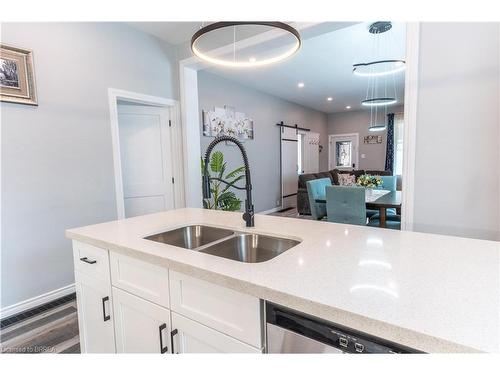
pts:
pixel 429 292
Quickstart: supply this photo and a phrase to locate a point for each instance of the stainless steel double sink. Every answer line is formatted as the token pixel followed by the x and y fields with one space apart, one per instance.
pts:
pixel 239 246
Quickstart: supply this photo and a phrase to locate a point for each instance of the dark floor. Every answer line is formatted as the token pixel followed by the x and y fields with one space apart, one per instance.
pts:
pixel 53 329
pixel 292 212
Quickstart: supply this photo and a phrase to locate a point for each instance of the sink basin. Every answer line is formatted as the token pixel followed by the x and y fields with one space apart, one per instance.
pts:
pixel 250 248
pixel 191 237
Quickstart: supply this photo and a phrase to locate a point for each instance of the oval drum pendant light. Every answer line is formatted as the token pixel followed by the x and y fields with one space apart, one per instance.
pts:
pixel 249 62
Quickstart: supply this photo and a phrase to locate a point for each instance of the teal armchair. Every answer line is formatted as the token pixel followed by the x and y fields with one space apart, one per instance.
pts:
pixel 346 204
pixel 316 190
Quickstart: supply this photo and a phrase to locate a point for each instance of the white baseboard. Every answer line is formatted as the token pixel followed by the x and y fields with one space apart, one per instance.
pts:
pixel 36 301
pixel 267 212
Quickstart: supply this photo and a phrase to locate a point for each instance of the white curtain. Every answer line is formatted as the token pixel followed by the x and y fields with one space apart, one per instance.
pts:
pixel 398 143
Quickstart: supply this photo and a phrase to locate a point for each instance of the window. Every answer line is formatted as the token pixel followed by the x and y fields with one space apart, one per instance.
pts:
pixel 343 153
pixel 398 143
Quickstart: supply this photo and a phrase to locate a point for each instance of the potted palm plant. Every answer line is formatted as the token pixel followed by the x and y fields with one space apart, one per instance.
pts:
pixel 222 198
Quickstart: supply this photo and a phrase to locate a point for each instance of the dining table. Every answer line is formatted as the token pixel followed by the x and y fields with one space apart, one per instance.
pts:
pixel 379 200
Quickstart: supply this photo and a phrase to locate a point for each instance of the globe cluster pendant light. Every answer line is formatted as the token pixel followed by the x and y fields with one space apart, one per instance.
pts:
pixel 202 43
pixel 380 73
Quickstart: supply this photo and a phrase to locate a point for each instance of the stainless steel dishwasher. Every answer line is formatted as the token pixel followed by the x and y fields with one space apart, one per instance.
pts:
pixel 289 331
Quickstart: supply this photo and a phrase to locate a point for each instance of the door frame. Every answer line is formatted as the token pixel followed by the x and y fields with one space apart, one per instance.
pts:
pixel 410 125
pixel 330 136
pixel 177 163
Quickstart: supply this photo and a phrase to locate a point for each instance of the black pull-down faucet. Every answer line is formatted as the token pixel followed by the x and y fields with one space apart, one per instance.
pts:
pixel 248 216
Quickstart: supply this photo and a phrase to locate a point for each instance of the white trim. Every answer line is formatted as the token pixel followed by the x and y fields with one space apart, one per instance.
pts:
pixel 191 138
pixel 267 212
pixel 343 135
pixel 113 96
pixel 410 125
pixel 36 301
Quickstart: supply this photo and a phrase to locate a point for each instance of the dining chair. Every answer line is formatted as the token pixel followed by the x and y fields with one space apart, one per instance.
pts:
pixel 346 205
pixel 316 190
pixel 388 183
pixel 391 222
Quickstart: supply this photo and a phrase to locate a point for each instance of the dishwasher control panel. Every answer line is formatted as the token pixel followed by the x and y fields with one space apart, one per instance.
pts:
pixel 297 326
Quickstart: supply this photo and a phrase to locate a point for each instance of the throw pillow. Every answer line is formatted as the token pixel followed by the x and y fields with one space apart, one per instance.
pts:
pixel 346 179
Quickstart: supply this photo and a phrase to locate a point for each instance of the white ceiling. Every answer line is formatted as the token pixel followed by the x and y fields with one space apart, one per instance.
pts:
pixel 324 64
pixel 170 32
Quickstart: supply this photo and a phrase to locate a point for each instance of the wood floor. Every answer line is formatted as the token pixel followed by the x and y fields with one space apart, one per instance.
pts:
pixel 52 331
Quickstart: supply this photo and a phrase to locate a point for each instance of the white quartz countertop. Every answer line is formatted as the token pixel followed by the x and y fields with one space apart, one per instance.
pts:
pixel 430 292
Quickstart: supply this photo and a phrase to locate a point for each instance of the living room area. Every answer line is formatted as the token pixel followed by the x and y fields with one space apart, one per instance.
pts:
pixel 335 111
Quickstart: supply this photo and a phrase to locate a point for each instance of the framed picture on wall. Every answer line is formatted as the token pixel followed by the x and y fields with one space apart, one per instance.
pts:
pixel 17 77
pixel 227 121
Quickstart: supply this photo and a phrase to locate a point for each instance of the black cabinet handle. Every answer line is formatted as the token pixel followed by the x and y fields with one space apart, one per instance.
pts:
pixel 172 334
pixel 163 349
pixel 106 317
pixel 86 260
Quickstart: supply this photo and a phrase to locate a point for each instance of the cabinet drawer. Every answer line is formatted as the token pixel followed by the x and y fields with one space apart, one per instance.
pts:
pixel 140 278
pixel 235 314
pixel 193 337
pixel 91 260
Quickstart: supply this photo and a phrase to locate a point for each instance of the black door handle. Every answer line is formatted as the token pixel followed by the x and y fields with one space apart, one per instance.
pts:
pixel 86 260
pixel 172 334
pixel 106 317
pixel 163 349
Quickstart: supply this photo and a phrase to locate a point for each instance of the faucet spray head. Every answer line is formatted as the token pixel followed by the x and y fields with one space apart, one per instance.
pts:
pixel 206 187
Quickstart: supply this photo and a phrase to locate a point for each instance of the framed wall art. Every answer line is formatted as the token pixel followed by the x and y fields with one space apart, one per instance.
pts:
pixel 372 139
pixel 17 77
pixel 226 121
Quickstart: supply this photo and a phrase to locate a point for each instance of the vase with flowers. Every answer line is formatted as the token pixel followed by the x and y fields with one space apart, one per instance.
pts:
pixel 368 181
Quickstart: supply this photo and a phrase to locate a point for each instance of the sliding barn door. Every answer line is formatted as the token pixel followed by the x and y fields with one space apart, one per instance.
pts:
pixel 289 167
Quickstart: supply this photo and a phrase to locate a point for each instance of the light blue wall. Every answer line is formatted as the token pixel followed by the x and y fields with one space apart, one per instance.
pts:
pixel 457 167
pixel 57 168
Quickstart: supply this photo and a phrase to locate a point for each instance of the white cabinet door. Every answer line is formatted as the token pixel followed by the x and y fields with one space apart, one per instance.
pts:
pixel 192 337
pixel 141 326
pixel 95 314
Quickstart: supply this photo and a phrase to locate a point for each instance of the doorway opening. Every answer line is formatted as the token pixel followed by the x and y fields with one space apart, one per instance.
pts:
pixel 147 153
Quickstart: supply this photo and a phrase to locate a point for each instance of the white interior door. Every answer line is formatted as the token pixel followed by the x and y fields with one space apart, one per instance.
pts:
pixel 146 159
pixel 289 167
pixel 343 151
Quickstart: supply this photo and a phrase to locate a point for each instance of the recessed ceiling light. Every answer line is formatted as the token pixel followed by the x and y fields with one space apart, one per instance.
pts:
pixel 300 84
pixel 347 107
pixel 329 98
